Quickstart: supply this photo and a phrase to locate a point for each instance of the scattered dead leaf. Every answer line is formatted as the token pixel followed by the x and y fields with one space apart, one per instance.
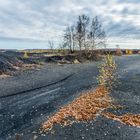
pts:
pixel 129 119
pixel 86 107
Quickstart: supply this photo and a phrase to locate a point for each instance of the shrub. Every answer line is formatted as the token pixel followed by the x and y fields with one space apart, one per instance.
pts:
pixel 25 56
pixel 107 69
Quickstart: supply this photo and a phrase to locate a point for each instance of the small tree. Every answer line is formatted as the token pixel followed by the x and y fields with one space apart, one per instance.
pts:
pixel 25 56
pixel 107 72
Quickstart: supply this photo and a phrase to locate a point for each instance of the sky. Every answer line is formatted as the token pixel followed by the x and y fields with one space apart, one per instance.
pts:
pixel 29 24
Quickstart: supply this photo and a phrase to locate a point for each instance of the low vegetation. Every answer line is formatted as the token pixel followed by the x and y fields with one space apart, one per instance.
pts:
pixel 107 72
pixel 25 56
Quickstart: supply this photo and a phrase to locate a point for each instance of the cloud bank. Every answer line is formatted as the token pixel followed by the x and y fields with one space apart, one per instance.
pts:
pixel 42 20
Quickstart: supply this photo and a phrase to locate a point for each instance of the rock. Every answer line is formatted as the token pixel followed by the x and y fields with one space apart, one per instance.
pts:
pixel 76 61
pixel 59 64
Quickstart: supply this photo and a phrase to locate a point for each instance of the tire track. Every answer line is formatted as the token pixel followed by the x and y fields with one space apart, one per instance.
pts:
pixel 37 88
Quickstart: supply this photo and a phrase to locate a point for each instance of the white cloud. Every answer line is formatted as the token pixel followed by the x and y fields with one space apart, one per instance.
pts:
pixel 4 2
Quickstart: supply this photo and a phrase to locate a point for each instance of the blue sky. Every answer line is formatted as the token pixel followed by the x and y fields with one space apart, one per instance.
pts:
pixel 31 23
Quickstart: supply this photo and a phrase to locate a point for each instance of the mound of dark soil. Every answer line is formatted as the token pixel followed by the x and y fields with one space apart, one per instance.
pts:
pixel 81 57
pixel 10 61
pixel 59 58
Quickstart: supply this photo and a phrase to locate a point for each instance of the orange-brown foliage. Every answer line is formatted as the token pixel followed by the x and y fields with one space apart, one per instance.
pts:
pixel 129 119
pixel 84 108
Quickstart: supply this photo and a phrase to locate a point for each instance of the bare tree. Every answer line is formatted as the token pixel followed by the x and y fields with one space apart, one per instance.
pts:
pixel 51 45
pixel 85 24
pixel 79 35
pixel 62 47
pixel 84 34
pixel 96 34
pixel 73 34
pixel 81 27
pixel 68 38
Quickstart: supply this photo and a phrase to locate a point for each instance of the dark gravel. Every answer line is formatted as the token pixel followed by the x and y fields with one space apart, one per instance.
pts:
pixel 24 113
